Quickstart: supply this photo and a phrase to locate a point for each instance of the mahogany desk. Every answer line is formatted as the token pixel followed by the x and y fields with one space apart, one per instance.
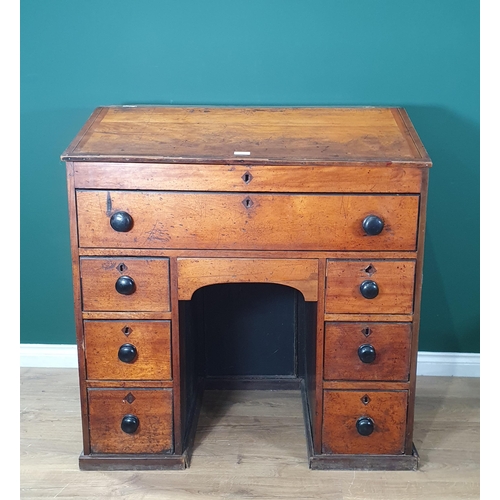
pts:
pixel 329 201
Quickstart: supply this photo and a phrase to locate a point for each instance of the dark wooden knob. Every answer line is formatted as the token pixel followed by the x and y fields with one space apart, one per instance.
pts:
pixel 127 353
pixel 130 423
pixel 373 225
pixel 365 426
pixel 125 285
pixel 369 289
pixel 366 353
pixel 121 222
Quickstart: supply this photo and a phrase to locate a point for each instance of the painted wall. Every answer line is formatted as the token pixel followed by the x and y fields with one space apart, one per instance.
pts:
pixel 422 55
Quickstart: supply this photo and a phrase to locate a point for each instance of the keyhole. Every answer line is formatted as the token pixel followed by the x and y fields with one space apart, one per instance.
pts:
pixel 129 398
pixel 122 267
pixel 127 330
pixel 370 270
pixel 247 177
pixel 366 331
pixel 247 202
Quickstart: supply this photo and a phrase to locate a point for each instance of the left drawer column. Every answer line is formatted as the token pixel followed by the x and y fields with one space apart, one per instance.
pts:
pixel 123 317
pixel 126 316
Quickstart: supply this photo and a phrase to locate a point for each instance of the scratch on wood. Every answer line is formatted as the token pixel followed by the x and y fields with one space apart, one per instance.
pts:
pixel 108 264
pixel 157 233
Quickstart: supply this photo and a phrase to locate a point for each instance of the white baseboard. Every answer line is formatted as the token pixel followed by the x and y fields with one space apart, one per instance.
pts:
pixel 444 364
pixel 48 356
pixel 448 364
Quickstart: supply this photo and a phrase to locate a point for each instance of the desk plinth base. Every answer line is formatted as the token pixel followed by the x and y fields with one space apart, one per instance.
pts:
pixel 136 462
pixel 365 462
pixel 316 462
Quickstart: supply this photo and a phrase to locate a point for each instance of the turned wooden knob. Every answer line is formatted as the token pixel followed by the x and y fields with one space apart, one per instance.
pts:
pixel 121 222
pixel 127 353
pixel 366 353
pixel 365 426
pixel 130 423
pixel 369 289
pixel 125 285
pixel 373 225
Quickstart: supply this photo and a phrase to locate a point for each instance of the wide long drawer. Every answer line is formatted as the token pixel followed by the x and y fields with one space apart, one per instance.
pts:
pixel 246 221
pixel 243 178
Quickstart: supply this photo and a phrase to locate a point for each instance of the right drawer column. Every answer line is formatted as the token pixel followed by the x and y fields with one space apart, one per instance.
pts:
pixel 367 350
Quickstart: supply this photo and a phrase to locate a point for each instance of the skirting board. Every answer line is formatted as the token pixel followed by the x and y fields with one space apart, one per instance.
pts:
pixel 443 364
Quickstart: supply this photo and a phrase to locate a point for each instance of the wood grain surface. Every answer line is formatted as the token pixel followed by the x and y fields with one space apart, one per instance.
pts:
pixel 249 444
pixel 301 274
pixel 151 339
pixel 246 221
pixel 99 276
pixel 152 407
pixel 395 280
pixel 391 342
pixel 270 135
pixel 342 409
pixel 255 178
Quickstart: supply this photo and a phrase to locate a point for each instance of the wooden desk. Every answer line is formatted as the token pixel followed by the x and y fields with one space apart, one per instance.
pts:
pixel 164 201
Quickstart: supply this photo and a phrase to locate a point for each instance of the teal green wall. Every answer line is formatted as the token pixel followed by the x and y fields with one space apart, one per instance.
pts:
pixel 423 55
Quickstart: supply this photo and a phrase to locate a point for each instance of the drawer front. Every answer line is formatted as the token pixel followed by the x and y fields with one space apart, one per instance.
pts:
pixel 243 178
pixel 143 284
pixel 356 422
pixel 130 420
pixel 301 274
pixel 136 350
pixel 245 221
pixel 367 351
pixel 370 287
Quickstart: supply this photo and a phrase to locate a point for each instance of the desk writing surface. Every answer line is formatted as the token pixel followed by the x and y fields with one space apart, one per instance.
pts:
pixel 271 135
